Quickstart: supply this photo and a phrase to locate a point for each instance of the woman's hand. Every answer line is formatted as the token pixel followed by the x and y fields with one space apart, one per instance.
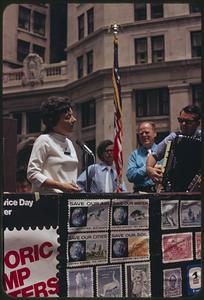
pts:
pixel 67 187
pixel 71 187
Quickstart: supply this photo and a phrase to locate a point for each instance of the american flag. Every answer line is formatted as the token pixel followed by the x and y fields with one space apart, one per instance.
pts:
pixel 118 129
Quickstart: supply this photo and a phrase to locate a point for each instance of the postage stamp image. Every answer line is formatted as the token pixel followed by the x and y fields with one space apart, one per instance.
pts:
pixel 88 215
pixel 138 280
pixel 190 213
pixel 128 246
pixel 80 282
pixel 172 282
pixel 109 281
pixel 198 244
pixel 193 278
pixel 129 214
pixel 177 247
pixel 119 215
pixel 87 248
pixel 169 214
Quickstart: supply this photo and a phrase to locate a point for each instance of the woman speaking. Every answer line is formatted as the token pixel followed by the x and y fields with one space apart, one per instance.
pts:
pixel 52 167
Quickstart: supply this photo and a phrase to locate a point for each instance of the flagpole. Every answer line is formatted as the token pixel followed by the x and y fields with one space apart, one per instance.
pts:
pixel 115 29
pixel 118 128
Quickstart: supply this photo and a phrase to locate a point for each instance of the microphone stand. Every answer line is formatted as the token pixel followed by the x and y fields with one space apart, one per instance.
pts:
pixel 87 174
pixel 88 182
pixel 87 152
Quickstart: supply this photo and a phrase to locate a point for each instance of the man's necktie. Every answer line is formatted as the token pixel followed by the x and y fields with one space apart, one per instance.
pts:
pixel 149 152
pixel 108 181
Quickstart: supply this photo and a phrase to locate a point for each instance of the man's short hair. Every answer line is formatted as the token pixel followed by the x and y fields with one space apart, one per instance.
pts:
pixel 192 109
pixel 152 124
pixel 102 147
pixel 51 110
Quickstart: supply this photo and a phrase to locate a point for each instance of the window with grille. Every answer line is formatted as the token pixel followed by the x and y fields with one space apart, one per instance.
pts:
pixel 18 117
pixel 88 113
pixel 80 66
pixel 194 8
pixel 140 11
pixel 39 50
pixel 22 50
pixel 90 20
pixel 24 18
pixel 157 48
pixel 153 102
pixel 89 57
pixel 156 10
pixel 197 94
pixel 38 23
pixel 196 43
pixel 33 121
pixel 141 50
pixel 81 27
pixel 42 4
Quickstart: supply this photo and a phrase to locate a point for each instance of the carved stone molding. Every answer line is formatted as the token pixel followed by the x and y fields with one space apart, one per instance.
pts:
pixel 33 70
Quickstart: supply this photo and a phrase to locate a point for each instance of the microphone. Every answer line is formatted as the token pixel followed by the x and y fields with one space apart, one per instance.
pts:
pixel 84 147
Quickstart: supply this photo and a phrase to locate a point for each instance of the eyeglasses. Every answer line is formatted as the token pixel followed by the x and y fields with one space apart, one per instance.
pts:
pixel 187 121
pixel 109 150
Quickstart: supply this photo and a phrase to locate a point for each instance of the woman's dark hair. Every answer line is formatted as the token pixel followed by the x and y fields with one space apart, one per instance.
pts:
pixel 51 110
pixel 192 109
pixel 102 147
pixel 21 176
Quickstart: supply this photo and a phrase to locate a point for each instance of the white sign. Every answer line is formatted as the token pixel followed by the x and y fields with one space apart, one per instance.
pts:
pixel 30 260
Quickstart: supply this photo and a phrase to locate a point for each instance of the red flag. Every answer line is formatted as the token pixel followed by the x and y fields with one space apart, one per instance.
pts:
pixel 118 154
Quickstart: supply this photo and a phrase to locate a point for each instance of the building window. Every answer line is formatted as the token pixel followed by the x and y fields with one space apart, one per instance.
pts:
pixel 39 50
pixel 22 50
pixel 24 18
pixel 33 120
pixel 157 48
pixel 41 4
pixel 196 43
pixel 156 11
pixel 89 57
pixel 81 27
pixel 80 66
pixel 90 20
pixel 18 117
pixel 140 11
pixel 154 102
pixel 39 23
pixel 141 50
pixel 194 8
pixel 197 94
pixel 88 113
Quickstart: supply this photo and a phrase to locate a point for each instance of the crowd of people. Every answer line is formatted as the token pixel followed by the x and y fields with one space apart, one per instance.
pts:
pixel 53 163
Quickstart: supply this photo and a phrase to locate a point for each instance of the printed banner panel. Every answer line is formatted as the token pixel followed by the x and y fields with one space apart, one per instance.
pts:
pixel 30 261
